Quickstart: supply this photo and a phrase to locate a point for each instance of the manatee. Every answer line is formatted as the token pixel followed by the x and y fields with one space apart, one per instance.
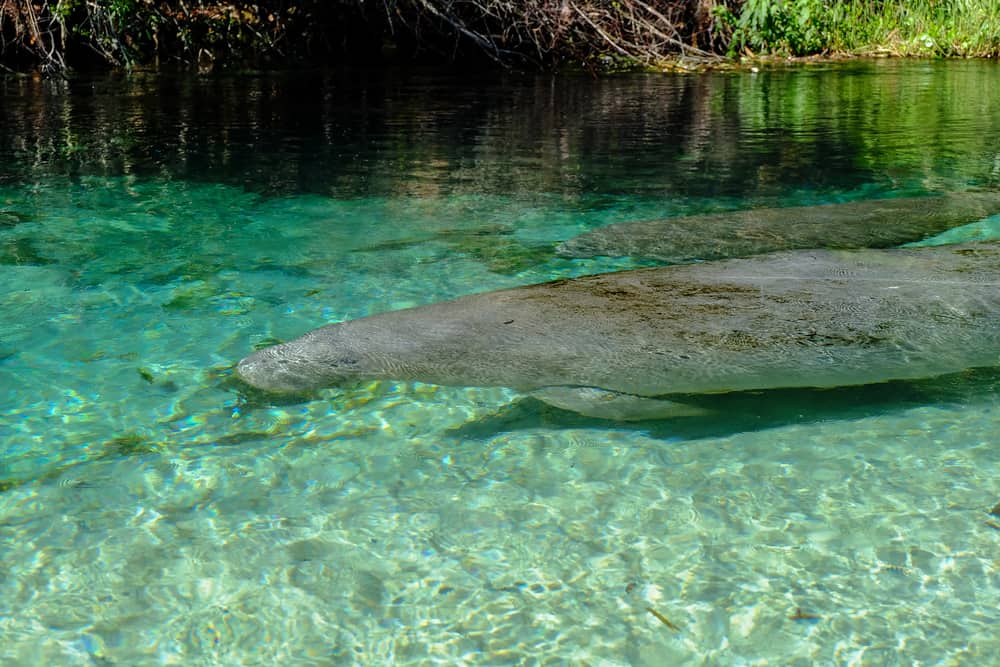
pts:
pixel 880 223
pixel 623 345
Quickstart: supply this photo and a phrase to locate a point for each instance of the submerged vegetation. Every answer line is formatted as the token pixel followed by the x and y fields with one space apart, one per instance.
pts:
pixel 56 35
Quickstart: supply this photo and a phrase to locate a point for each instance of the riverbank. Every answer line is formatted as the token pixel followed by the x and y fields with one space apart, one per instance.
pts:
pixel 56 36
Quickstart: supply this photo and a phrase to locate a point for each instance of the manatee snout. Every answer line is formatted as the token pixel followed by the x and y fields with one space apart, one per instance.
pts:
pixel 300 365
pixel 270 370
pixel 333 355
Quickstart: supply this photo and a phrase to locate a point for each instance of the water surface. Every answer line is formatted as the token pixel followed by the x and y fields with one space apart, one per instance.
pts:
pixel 155 228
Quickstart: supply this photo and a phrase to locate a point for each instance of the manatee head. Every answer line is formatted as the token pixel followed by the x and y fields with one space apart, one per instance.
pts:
pixel 320 358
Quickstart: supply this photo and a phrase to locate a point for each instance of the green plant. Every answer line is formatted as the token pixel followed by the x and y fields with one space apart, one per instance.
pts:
pixel 791 27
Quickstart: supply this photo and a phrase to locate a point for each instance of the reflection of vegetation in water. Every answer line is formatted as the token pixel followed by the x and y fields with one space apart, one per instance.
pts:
pixel 896 125
pixel 738 135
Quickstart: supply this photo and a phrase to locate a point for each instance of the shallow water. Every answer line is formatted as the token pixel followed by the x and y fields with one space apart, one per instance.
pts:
pixel 153 229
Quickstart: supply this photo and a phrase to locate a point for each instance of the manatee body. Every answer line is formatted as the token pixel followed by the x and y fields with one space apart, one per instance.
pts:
pixel 608 345
pixel 881 223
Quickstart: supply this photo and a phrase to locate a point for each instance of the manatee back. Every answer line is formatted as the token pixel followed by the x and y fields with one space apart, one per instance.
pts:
pixel 816 318
pixel 798 318
pixel 880 223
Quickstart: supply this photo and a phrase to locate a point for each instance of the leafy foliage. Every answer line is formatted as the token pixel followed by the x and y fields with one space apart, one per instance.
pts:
pixel 790 27
pixel 126 33
pixel 604 35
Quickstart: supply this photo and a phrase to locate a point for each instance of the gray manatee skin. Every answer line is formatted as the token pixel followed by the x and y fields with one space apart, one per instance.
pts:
pixel 879 223
pixel 816 318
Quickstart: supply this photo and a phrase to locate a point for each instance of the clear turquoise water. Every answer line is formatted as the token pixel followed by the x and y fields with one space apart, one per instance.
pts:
pixel 150 515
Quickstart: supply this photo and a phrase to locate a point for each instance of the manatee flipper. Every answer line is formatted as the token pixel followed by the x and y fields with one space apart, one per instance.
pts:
pixel 606 404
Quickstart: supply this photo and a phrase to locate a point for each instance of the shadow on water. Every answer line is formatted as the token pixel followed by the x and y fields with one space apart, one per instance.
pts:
pixel 741 412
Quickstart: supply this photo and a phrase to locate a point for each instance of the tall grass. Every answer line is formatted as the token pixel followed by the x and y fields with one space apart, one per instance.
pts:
pixel 968 28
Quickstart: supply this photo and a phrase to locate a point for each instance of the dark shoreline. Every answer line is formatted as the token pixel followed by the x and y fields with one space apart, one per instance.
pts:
pixel 597 37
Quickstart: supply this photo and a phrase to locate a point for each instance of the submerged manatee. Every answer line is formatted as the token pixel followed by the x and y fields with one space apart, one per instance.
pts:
pixel 611 345
pixel 880 223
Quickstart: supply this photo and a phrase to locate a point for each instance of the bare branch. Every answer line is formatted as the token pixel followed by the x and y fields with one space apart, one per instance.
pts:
pixel 612 43
pixel 487 45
